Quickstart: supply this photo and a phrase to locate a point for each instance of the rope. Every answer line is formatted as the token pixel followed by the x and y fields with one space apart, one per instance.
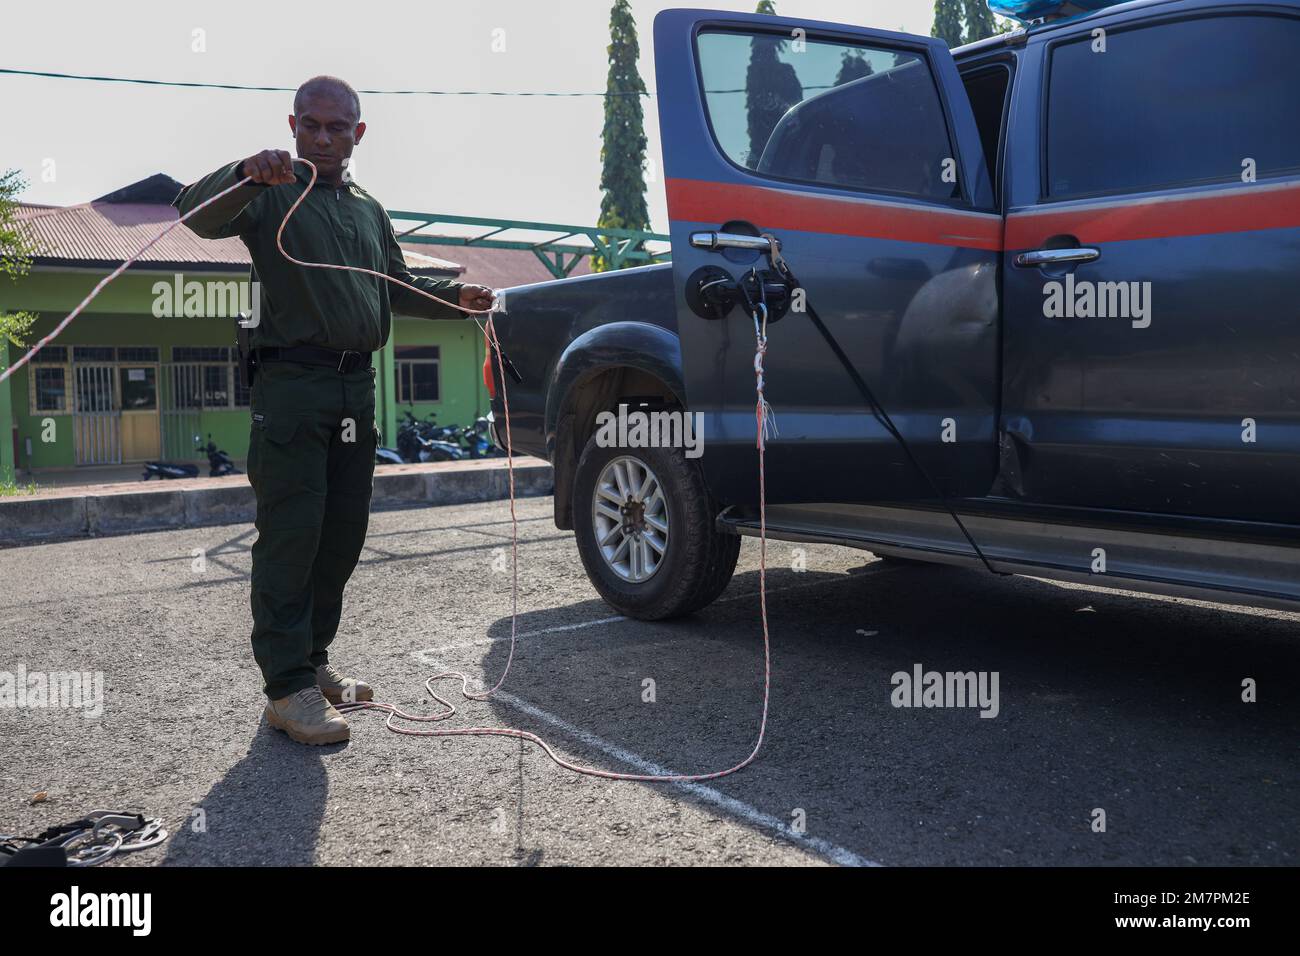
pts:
pixel 761 411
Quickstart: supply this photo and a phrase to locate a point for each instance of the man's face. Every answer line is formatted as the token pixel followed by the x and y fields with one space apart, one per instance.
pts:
pixel 326 130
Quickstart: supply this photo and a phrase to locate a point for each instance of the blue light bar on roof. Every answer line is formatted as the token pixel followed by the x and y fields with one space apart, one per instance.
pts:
pixel 1028 10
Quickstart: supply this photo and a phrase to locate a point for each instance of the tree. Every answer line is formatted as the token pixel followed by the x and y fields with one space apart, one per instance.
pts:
pixel 964 21
pixel 947 22
pixel 853 66
pixel 623 142
pixel 771 87
pixel 15 256
pixel 979 21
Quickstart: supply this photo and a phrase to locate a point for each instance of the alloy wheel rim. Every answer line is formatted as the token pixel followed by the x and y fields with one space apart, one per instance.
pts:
pixel 630 517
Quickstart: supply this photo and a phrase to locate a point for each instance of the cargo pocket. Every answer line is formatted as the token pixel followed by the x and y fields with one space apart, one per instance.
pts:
pixel 267 440
pixel 278 429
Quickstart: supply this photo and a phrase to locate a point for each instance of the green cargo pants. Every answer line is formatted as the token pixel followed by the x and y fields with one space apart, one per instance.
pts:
pixel 311 462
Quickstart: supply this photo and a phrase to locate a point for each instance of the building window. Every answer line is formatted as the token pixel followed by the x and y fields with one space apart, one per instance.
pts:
pixel 216 386
pixel 49 388
pixel 48 380
pixel 138 353
pixel 200 353
pixel 208 377
pixel 92 353
pixel 52 354
pixel 417 373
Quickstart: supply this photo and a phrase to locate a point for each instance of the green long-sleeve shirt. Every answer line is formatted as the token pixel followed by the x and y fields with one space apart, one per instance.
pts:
pixel 347 226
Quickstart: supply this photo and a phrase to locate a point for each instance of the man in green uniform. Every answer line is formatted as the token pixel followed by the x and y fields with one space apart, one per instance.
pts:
pixel 311 453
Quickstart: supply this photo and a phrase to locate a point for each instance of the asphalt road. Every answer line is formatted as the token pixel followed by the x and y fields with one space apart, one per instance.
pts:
pixel 1106 700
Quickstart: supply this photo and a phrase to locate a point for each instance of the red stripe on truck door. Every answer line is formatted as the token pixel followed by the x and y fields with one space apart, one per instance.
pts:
pixel 693 200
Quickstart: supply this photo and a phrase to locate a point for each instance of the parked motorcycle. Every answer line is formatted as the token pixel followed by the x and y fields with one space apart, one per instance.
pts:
pixel 168 469
pixel 479 438
pixel 419 441
pixel 220 464
pixel 473 441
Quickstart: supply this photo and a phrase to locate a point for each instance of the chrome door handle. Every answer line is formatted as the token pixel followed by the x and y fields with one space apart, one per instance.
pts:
pixel 1050 257
pixel 713 241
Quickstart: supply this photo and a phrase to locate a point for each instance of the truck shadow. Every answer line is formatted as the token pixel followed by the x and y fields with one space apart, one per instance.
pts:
pixel 1106 701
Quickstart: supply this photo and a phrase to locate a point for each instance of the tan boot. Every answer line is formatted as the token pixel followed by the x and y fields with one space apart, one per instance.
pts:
pixel 339 689
pixel 307 717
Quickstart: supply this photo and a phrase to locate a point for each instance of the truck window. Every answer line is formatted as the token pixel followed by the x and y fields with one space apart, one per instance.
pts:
pixel 1175 103
pixel 986 88
pixel 834 114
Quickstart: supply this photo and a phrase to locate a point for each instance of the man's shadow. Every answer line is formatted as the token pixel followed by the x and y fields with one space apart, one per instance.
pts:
pixel 266 811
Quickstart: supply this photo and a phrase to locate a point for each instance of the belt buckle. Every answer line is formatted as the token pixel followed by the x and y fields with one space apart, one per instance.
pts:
pixel 343 360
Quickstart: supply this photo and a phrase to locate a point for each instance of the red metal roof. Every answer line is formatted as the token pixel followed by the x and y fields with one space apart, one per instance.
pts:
pixel 94 234
pixel 105 233
pixel 102 234
pixel 496 268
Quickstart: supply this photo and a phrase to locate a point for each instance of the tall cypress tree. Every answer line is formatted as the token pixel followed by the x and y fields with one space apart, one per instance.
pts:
pixel 947 22
pixel 771 87
pixel 979 21
pixel 853 66
pixel 623 142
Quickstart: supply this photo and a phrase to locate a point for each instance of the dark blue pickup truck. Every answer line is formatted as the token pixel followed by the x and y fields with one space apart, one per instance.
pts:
pixel 1065 262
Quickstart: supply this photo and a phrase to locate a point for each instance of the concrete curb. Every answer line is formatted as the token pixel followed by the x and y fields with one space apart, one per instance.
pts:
pixel 190 503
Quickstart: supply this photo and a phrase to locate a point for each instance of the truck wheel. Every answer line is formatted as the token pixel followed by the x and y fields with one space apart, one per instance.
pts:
pixel 644 520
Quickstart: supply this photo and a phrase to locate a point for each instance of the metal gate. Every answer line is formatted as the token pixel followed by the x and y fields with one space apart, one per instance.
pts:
pixel 96 420
pixel 181 400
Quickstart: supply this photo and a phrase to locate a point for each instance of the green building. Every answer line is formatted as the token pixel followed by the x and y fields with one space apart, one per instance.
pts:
pixel 153 363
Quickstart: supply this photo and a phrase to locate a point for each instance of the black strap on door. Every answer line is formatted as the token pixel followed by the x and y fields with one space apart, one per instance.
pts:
pixel 877 410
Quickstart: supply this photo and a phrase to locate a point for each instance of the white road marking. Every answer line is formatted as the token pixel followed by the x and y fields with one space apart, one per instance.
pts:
pixel 831 851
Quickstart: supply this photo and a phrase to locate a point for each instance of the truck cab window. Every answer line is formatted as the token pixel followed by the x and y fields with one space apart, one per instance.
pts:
pixel 834 114
pixel 1174 104
pixel 987 89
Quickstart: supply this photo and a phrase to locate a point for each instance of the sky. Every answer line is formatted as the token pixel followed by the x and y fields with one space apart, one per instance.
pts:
pixel 515 157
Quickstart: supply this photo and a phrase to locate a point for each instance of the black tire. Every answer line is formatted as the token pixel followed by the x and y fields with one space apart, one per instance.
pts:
pixel 698 560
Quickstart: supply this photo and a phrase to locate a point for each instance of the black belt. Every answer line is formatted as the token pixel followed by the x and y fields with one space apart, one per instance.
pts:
pixel 341 361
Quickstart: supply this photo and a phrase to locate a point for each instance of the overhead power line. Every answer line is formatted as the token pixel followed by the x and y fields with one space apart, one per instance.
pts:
pixel 292 89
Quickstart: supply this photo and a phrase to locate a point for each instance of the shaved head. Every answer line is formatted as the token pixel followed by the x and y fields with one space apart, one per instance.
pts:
pixel 326 125
pixel 327 86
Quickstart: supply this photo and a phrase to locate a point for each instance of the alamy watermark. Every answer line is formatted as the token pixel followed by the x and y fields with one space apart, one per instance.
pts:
pixel 75 908
pixel 922 688
pixel 656 429
pixel 83 690
pixel 208 299
pixel 1098 300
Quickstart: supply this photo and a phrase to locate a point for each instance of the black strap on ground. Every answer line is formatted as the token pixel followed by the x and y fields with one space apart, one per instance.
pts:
pixel 878 410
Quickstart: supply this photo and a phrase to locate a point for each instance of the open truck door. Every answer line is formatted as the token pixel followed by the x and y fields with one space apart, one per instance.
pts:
pixel 857 149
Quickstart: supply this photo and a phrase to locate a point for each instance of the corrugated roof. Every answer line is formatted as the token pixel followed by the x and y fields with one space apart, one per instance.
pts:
pixel 106 233
pixel 101 234
pixel 496 268
pixel 97 233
